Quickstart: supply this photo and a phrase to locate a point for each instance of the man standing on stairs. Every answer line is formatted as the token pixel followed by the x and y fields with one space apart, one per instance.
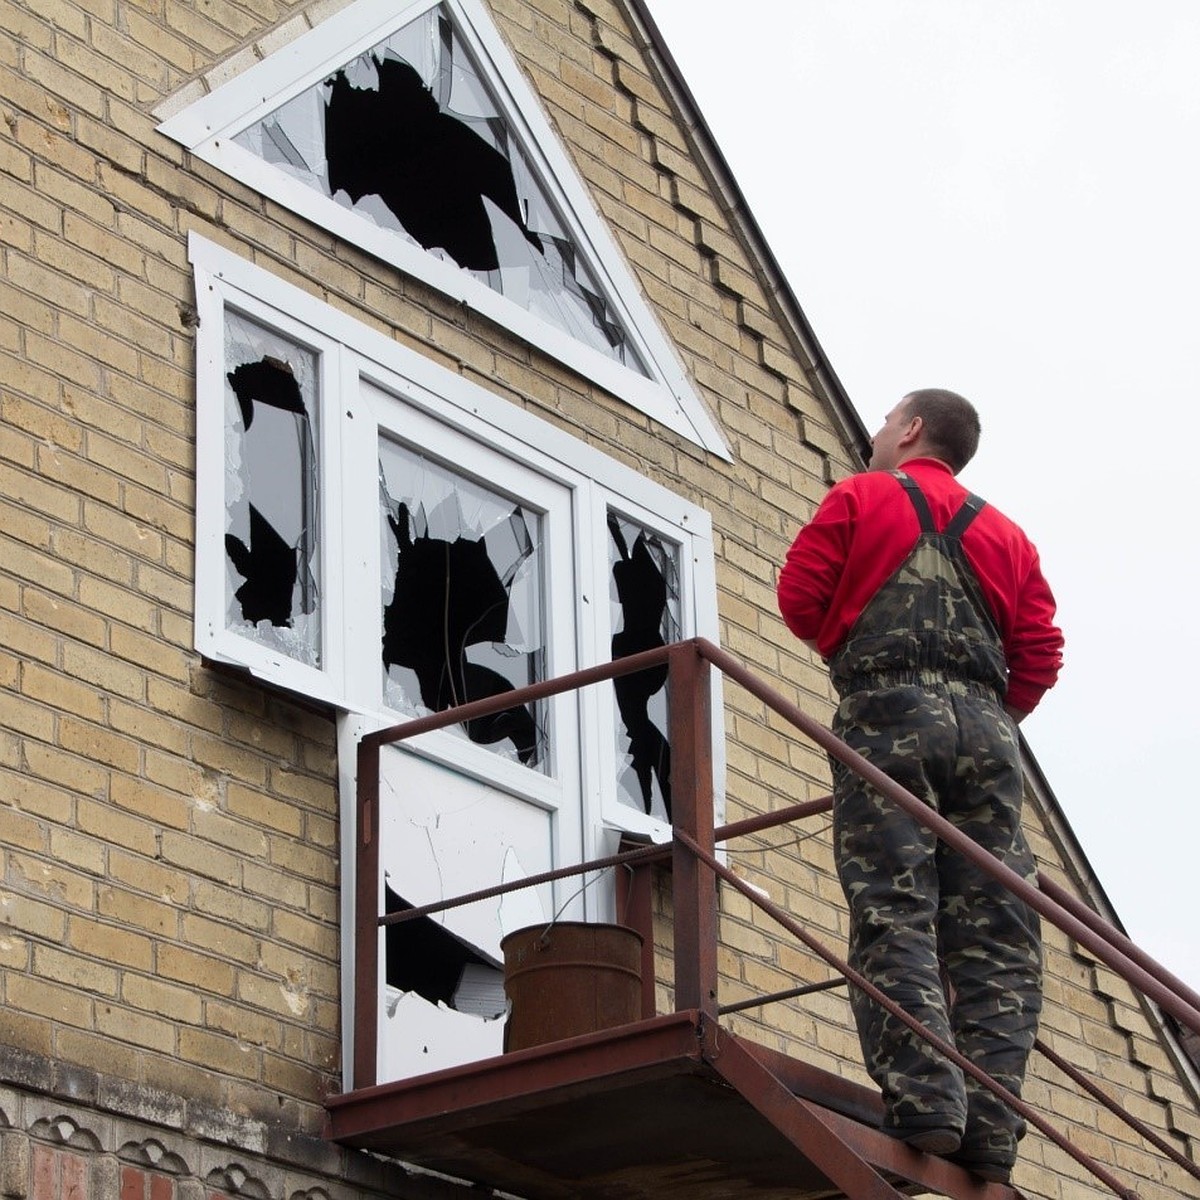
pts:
pixel 938 627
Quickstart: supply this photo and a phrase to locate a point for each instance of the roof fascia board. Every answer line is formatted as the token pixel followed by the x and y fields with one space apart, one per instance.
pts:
pixel 729 195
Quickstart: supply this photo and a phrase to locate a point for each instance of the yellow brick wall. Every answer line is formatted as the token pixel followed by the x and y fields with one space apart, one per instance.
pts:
pixel 169 894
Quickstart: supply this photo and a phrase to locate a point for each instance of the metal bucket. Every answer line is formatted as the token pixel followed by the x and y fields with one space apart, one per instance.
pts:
pixel 570 978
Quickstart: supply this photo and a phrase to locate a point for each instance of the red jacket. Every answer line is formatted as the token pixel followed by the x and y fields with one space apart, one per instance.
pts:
pixel 865 528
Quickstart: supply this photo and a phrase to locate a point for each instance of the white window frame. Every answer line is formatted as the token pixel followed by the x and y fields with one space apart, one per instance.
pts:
pixel 433 403
pixel 208 126
pixel 456 413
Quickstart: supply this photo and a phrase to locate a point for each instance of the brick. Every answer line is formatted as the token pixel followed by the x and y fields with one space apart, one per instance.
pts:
pixel 93 666
pixel 75 971
pixel 159 42
pixel 289 998
pixel 79 194
pixel 245 1024
pixel 313 937
pixel 55 613
pixel 218 828
pixel 62 885
pixel 75 547
pixel 151 653
pixel 52 765
pixel 319 793
pixel 61 691
pixel 149 336
pixel 28 379
pixel 162 999
pixel 115 527
pixel 199 858
pixel 22 830
pixel 241 910
pixel 137 1027
pixel 157 804
pixel 203 971
pixel 24 526
pixel 72 20
pixel 112 829
pixel 62 360
pixel 139 912
pixel 167 588
pixel 50 1001
pixel 30 1032
pixel 77 474
pixel 221 938
pixel 42 291
pixel 293 1078
pixel 170 447
pixel 21 717
pixel 275 886
pixel 263 809
pixel 220 1054
pixel 109 943
pixel 84 853
pixel 103 597
pixel 304 860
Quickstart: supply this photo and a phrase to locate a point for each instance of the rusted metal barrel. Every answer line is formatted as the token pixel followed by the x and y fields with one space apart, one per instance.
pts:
pixel 570 978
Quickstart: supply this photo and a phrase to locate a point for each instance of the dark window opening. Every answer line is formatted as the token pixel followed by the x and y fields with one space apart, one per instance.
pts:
pixel 462 599
pixel 645 602
pixel 271 507
pixel 426 958
pixel 433 172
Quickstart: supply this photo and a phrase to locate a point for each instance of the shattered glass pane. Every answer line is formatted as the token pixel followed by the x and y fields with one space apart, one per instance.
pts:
pixel 426 957
pixel 272 547
pixel 645 605
pixel 462 600
pixel 407 136
pixel 443 833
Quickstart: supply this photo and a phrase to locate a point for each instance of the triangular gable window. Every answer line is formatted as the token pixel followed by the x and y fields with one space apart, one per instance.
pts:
pixel 408 130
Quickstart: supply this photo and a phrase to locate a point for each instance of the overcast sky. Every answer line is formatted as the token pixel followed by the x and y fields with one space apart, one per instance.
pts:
pixel 1004 199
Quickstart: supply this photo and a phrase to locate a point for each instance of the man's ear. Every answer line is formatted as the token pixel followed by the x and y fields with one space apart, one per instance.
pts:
pixel 912 431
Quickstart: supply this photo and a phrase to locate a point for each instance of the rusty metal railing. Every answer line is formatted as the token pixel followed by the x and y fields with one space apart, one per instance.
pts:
pixel 696 869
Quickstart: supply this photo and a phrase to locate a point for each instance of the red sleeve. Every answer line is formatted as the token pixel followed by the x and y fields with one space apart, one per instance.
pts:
pixel 814 564
pixel 1033 647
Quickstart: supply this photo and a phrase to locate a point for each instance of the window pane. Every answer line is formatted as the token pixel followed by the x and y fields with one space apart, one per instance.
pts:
pixel 645 608
pixel 407 135
pixel 463 614
pixel 272 546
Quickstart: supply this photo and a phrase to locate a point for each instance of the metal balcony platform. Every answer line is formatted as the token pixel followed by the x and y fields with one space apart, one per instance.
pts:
pixel 674 1108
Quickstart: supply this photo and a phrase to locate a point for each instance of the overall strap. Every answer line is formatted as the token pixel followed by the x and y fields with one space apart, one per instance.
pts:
pixel 971 507
pixel 924 516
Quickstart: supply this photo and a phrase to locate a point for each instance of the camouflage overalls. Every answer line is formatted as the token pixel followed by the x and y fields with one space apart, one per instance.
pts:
pixel 921 679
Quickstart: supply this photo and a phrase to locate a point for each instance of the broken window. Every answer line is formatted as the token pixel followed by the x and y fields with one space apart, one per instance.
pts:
pixel 272 547
pixel 645 605
pixel 462 599
pixel 408 136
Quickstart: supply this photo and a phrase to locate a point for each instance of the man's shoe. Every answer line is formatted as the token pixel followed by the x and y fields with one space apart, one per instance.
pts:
pixel 928 1141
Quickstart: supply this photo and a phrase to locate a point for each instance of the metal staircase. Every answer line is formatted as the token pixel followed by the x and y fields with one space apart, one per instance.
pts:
pixel 678 1105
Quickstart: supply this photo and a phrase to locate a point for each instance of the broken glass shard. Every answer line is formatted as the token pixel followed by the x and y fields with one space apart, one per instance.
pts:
pixel 463 616
pixel 408 136
pixel 645 605
pixel 272 543
pixel 425 957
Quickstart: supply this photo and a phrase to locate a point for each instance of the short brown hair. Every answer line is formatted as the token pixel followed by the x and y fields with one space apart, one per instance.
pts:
pixel 951 424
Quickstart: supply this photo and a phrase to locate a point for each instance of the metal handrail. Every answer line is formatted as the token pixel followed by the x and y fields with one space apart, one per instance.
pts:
pixel 1088 929
pixel 944 1047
